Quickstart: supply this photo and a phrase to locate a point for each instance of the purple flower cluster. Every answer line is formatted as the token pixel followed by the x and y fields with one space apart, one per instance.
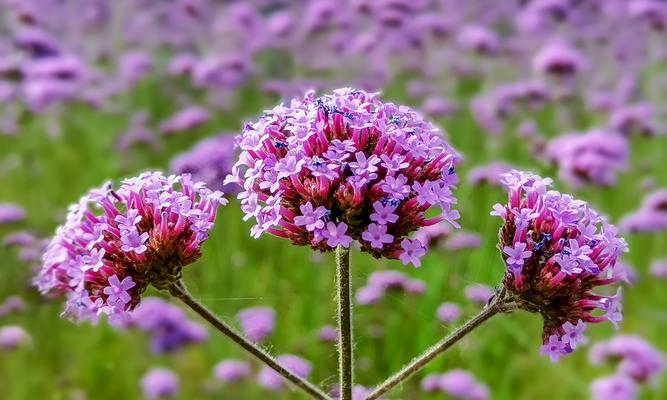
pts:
pixel 463 240
pixel 185 120
pixel 636 357
pixel 659 269
pixel 11 213
pixel 30 247
pixel 209 161
pixel 594 157
pixel 13 337
pixel 160 383
pixel 115 242
pixel 478 293
pixel 271 380
pixel 229 371
pixel 257 323
pixel 614 387
pixel 635 119
pixel 651 215
pixel 167 324
pixel 433 235
pixel 457 384
pixel 12 305
pixel 490 174
pixel 380 282
pixel 448 312
pixel 324 171
pixel 557 250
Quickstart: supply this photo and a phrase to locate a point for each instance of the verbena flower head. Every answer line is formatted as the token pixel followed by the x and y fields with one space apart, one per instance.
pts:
pixel 208 161
pixel 614 387
pixel 457 384
pixel 636 357
pixel 10 213
pixel 12 337
pixel 169 327
pixel 381 282
pixel 594 157
pixel 115 242
pixel 257 323
pixel 324 171
pixel 448 312
pixel 557 250
pixel 271 380
pixel 232 370
pixel 160 383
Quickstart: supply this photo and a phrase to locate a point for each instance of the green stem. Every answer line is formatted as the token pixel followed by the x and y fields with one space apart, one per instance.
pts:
pixel 344 297
pixel 178 290
pixel 499 305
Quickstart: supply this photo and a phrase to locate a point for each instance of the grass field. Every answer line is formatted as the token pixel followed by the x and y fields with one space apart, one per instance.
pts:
pixel 46 172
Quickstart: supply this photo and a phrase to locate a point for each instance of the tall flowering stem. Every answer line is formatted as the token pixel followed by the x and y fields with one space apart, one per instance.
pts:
pixel 344 297
pixel 116 242
pixel 500 304
pixel 178 290
pixel 556 250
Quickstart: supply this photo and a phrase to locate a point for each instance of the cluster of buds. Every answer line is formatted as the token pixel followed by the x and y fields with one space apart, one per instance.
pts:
pixel 557 250
pixel 324 171
pixel 115 242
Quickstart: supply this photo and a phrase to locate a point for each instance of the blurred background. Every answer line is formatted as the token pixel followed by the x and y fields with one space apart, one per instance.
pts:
pixel 92 90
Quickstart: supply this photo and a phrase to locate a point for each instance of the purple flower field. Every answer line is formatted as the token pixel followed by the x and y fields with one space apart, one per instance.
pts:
pixel 333 199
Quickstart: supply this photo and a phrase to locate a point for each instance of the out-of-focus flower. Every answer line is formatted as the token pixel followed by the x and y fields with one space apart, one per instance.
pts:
pixel 185 120
pixel 19 239
pixel 169 327
pixel 229 371
pixel 13 337
pixel 326 169
pixel 594 157
pixel 637 358
pixel 636 119
pixel 11 213
pixel 12 305
pixel 477 293
pixel 458 384
pixel 652 12
pixel 448 312
pixel 115 242
pixel 208 161
pixel 659 269
pixel 489 174
pixel 379 282
pixel 479 39
pixel 328 333
pixel 558 58
pixel 438 107
pixel 463 240
pixel 134 66
pixel 271 380
pixel 651 215
pixel 160 383
pixel 615 387
pixel 433 235
pixel 556 250
pixel 257 323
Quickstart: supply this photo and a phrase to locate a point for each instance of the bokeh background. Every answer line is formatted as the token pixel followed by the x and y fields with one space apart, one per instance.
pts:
pixel 92 90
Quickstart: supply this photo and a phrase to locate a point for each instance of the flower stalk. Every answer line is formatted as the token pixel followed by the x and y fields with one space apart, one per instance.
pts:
pixel 178 290
pixel 344 298
pixel 499 304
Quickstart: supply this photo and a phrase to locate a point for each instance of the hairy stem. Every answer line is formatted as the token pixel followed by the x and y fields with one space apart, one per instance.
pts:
pixel 343 294
pixel 178 290
pixel 498 305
